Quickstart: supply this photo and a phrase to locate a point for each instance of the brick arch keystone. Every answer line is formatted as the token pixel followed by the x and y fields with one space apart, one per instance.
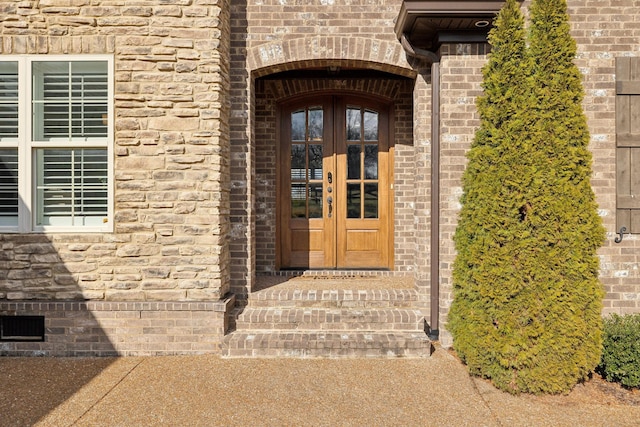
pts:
pixel 284 55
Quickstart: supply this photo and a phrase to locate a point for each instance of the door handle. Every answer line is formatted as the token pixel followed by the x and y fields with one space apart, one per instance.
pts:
pixel 330 205
pixel 329 177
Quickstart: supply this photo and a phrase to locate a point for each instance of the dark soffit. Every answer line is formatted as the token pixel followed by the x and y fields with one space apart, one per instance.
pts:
pixel 427 23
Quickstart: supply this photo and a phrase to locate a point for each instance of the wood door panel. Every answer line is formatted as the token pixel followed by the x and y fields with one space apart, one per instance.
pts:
pixel 365 259
pixel 364 249
pixel 347 162
pixel 307 240
pixel 307 260
pixel 362 240
pixel 307 245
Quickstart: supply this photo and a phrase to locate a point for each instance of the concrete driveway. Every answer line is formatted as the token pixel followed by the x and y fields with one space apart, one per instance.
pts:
pixel 210 391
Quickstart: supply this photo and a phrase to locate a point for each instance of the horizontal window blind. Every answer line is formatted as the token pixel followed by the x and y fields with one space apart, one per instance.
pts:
pixel 55 143
pixel 8 100
pixel 9 187
pixel 70 100
pixel 72 186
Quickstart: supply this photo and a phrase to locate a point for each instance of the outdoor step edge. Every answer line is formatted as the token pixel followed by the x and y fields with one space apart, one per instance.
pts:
pixel 333 295
pixel 274 311
pixel 327 344
pixel 330 319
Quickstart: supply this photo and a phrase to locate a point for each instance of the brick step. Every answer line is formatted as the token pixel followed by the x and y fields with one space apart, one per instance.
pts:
pixel 310 344
pixel 323 319
pixel 340 298
pixel 329 322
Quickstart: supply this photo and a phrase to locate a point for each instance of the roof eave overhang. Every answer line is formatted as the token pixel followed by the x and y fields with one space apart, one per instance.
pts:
pixel 429 23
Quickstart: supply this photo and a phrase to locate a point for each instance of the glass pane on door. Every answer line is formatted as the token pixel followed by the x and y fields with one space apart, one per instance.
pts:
pixel 354 124
pixel 315 200
pixel 370 126
pixel 307 163
pixel 353 201
pixel 362 163
pixel 298 162
pixel 298 126
pixel 315 161
pixel 371 161
pixel 315 124
pixel 371 200
pixel 298 201
pixel 353 161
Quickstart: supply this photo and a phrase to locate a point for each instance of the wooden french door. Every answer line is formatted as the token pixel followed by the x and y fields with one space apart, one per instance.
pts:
pixel 335 184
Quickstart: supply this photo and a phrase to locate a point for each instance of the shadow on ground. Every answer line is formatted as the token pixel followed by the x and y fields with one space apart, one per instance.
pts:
pixel 37 281
pixel 32 387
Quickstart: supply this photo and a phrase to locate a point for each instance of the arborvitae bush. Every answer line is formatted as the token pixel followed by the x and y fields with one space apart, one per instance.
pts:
pixel 485 236
pixel 527 300
pixel 621 350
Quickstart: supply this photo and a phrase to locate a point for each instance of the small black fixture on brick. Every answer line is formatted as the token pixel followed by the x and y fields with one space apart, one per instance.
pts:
pixel 22 328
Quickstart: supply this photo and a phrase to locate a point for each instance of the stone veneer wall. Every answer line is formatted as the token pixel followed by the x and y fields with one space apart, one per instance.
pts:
pixel 171 231
pixel 176 77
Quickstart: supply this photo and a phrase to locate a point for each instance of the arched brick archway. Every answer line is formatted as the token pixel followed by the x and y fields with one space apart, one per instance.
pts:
pixel 253 124
pixel 277 84
pixel 278 90
pixel 310 52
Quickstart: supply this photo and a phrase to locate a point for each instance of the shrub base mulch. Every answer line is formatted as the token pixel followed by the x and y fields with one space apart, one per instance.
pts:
pixel 596 390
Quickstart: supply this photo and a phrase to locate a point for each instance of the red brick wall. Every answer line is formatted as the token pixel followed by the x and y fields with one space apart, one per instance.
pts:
pixel 273 36
pixel 603 31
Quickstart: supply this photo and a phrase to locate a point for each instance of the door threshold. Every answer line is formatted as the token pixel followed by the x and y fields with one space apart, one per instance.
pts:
pixel 325 281
pixel 332 272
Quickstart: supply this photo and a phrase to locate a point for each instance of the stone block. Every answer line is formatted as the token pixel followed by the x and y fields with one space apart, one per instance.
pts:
pixel 171 123
pixel 132 250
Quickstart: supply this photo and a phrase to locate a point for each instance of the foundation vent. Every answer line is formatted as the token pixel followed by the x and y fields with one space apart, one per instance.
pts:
pixel 21 328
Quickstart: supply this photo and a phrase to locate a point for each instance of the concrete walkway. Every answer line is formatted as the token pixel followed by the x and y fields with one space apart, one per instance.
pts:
pixel 209 391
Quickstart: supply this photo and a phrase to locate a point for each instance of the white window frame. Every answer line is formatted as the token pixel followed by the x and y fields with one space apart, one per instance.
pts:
pixel 27 179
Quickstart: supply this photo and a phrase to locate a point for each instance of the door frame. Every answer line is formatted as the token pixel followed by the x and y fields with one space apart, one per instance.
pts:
pixel 304 100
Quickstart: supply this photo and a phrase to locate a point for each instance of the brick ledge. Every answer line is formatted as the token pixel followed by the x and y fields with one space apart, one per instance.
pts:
pixel 217 306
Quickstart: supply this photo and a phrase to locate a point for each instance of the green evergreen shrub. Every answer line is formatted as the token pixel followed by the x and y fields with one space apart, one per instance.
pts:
pixel 527 299
pixel 621 350
pixel 485 232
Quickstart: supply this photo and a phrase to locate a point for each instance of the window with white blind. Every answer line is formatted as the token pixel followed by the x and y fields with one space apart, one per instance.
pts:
pixel 9 144
pixel 9 187
pixel 55 143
